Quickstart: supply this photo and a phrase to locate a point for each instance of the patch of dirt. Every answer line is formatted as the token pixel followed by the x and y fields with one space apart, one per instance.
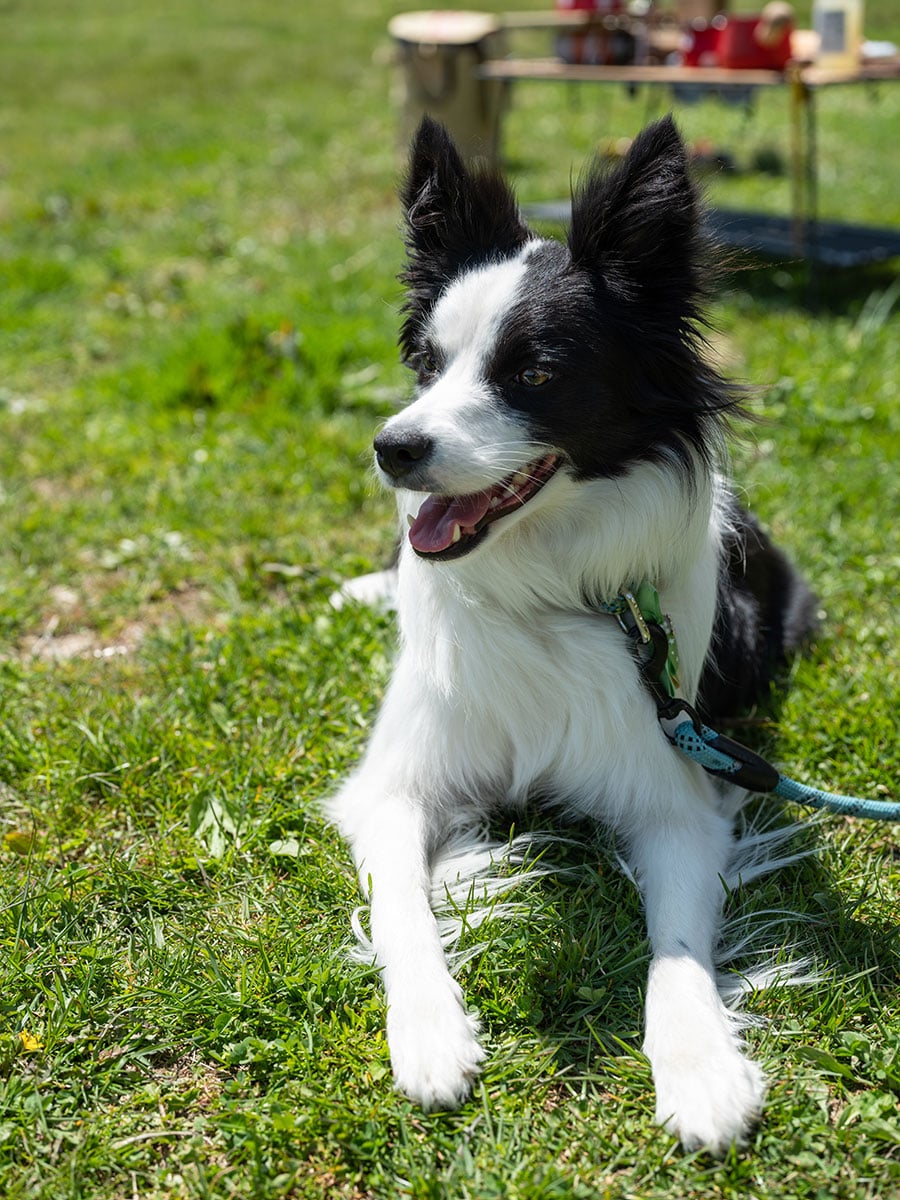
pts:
pixel 192 1072
pixel 187 605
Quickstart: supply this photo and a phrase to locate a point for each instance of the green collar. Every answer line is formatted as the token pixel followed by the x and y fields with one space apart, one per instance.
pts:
pixel 640 614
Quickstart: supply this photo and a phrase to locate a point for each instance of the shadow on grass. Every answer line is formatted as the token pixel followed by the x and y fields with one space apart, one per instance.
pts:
pixel 579 985
pixel 807 287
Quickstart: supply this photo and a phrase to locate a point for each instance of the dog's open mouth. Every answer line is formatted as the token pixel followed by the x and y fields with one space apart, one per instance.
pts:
pixel 450 526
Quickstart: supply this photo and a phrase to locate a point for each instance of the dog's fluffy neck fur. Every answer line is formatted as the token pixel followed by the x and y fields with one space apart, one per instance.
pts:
pixel 590 541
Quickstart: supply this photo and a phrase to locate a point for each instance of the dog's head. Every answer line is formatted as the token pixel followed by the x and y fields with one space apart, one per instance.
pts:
pixel 534 358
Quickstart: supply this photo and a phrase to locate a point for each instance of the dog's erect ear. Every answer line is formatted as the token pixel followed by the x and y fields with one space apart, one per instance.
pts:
pixel 638 226
pixel 455 218
pixel 461 215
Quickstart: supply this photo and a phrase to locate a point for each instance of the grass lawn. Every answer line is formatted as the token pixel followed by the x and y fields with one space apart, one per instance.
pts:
pixel 198 316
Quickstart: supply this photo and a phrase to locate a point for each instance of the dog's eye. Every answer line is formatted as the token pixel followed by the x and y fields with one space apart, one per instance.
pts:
pixel 426 365
pixel 533 377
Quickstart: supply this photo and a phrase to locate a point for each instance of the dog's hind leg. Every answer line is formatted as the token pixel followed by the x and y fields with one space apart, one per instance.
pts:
pixel 707 1091
pixel 435 1054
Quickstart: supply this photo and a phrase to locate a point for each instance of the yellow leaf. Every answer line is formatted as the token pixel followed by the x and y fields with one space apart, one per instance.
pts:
pixel 29 1041
pixel 19 841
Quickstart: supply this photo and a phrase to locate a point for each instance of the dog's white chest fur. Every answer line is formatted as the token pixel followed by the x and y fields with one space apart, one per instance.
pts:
pixel 545 702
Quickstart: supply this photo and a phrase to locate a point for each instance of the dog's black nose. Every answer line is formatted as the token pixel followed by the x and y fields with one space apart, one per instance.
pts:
pixel 399 454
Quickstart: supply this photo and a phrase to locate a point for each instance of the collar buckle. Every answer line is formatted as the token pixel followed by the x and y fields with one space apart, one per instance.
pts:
pixel 638 619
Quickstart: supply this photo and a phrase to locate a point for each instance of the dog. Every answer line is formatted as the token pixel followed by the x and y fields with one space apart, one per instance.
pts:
pixel 564 444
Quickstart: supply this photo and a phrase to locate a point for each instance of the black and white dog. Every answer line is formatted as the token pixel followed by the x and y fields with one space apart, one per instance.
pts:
pixel 563 443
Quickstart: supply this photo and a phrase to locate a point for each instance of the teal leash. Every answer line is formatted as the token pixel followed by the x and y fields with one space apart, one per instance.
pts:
pixel 700 745
pixel 650 630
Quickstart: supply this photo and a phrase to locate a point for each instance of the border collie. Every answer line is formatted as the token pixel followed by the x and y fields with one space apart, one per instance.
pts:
pixel 563 445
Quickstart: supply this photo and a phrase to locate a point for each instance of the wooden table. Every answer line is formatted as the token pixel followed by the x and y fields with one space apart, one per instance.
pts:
pixel 803 234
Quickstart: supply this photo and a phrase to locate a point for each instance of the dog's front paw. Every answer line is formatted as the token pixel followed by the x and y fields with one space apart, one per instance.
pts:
pixel 709 1100
pixel 435 1054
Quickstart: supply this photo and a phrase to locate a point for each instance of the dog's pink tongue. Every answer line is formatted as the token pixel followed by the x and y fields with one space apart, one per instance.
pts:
pixel 433 528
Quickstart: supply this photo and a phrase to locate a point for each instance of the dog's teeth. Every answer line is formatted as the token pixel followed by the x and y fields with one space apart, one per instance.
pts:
pixel 410 520
pixel 457 533
pixel 494 502
pixel 519 479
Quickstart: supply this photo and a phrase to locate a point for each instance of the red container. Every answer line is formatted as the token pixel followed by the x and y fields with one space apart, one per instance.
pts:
pixel 742 47
pixel 700 43
pixel 598 6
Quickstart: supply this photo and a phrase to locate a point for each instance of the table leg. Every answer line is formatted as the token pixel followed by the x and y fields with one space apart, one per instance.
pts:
pixel 804 169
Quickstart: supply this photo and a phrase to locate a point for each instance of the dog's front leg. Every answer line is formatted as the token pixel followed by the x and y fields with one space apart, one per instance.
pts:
pixel 435 1054
pixel 707 1092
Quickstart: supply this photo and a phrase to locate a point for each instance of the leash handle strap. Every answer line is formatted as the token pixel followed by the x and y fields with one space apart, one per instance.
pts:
pixel 723 756
pixel 730 760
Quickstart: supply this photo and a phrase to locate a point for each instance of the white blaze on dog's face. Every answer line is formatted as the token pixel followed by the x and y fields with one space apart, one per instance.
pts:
pixel 479 461
pixel 474 440
pixel 535 358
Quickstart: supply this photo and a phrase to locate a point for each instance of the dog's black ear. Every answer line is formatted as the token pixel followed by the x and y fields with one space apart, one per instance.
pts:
pixel 638 226
pixel 455 218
